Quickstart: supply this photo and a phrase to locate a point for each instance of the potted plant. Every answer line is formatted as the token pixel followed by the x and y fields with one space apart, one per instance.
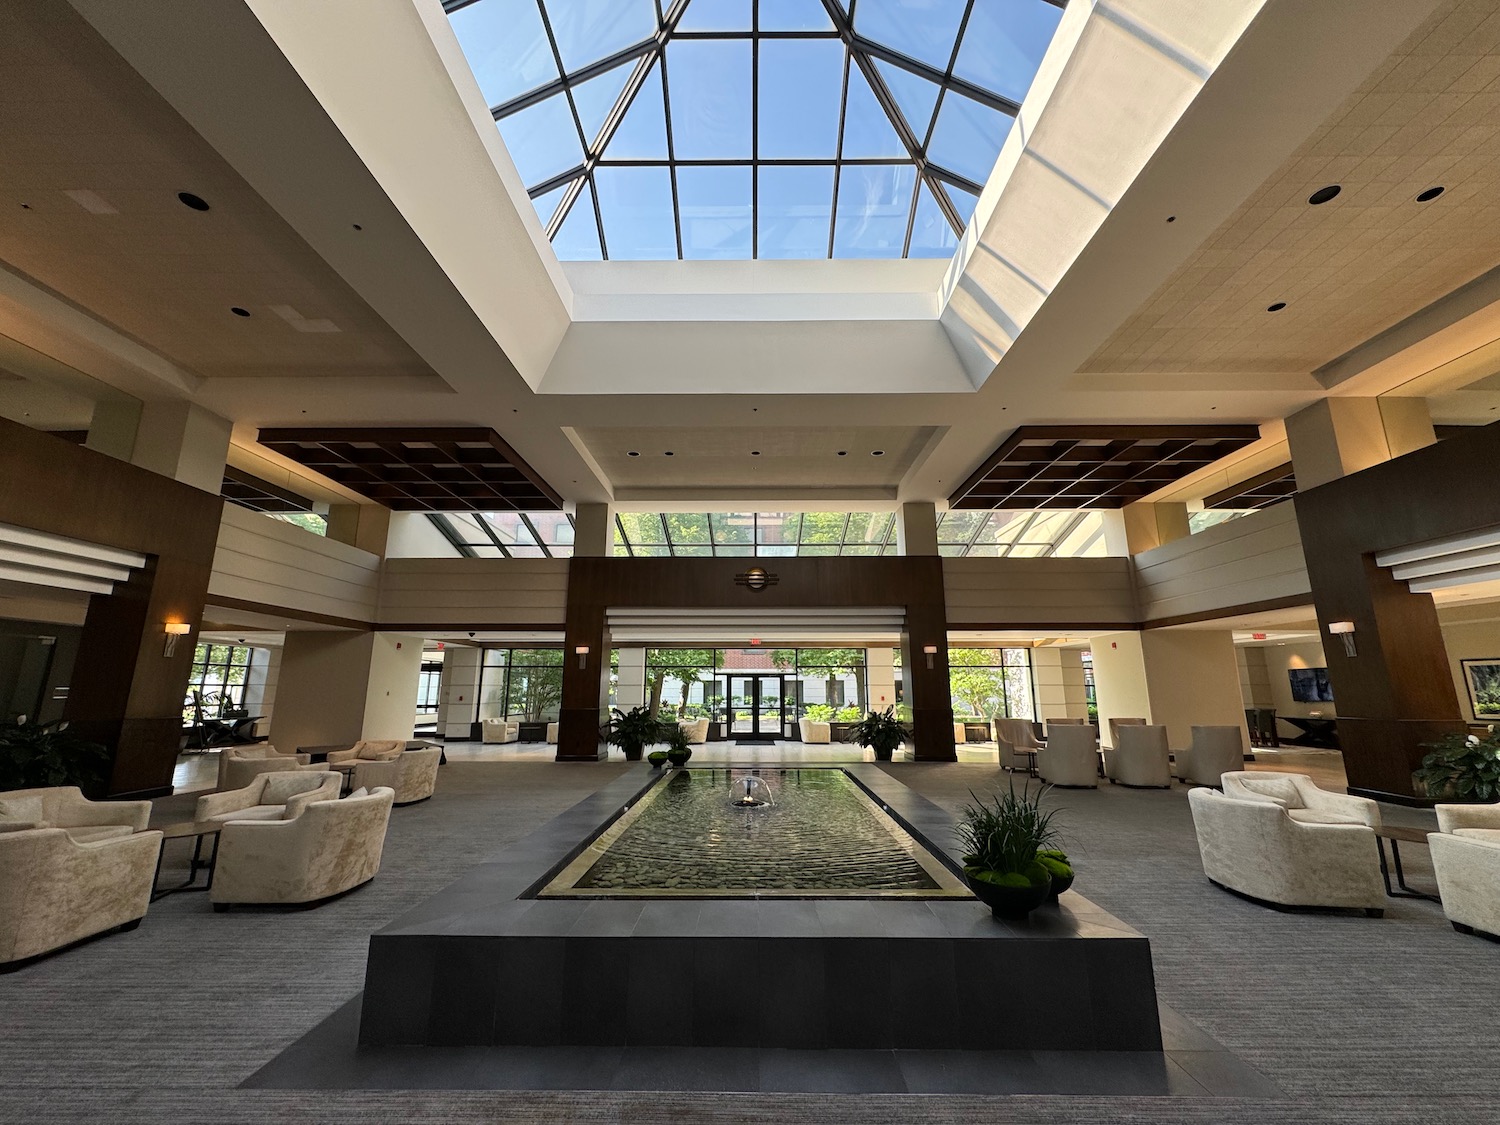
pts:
pixel 819 713
pixel 678 751
pixel 1059 867
pixel 881 731
pixel 41 755
pixel 1001 839
pixel 656 758
pixel 1461 768
pixel 632 731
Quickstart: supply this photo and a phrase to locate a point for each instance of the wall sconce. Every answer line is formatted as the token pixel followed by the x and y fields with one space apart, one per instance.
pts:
pixel 174 629
pixel 583 655
pixel 929 651
pixel 1344 630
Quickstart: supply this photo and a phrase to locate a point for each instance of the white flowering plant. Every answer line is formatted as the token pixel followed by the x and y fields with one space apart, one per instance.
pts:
pixel 1466 767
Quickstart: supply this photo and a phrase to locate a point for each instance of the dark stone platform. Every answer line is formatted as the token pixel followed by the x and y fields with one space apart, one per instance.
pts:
pixel 477 964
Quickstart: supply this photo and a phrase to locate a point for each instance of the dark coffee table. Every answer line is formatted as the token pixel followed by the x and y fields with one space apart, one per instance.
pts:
pixel 185 830
pixel 1397 836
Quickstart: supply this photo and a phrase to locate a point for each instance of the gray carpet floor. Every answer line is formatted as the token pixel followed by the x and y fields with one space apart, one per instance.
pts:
pixel 1358 1020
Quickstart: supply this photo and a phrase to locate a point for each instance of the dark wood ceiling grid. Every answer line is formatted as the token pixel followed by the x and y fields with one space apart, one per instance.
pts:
pixel 1270 487
pixel 1070 467
pixel 249 491
pixel 421 470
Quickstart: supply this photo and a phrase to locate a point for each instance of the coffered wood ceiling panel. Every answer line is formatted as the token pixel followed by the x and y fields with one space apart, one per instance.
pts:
pixel 1351 267
pixel 757 456
pixel 1260 491
pixel 1094 466
pixel 75 118
pixel 421 470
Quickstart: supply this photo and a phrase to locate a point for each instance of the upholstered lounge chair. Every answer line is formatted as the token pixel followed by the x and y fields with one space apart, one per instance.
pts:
pixel 412 776
pixel 1256 848
pixel 1114 729
pixel 237 776
pixel 499 730
pixel 56 890
pixel 270 796
pixel 363 751
pixel 1466 859
pixel 1070 759
pixel 1215 751
pixel 332 847
pixel 810 731
pixel 695 729
pixel 65 807
pixel 1012 736
pixel 1303 801
pixel 1140 759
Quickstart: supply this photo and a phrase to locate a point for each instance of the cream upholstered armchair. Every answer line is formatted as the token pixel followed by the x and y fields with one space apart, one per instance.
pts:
pixel 811 731
pixel 1215 751
pixel 233 776
pixel 1303 801
pixel 1140 759
pixel 1466 859
pixel 332 847
pixel 552 733
pixel 499 730
pixel 365 751
pixel 65 807
pixel 55 889
pixel 695 729
pixel 412 776
pixel 1114 729
pixel 1257 849
pixel 1070 759
pixel 1478 822
pixel 270 796
pixel 1012 736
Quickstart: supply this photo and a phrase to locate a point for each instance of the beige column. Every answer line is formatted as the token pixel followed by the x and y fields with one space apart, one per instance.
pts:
pixel 260 685
pixel 594 531
pixel 1176 678
pixel 458 692
pixel 338 686
pixel 1120 680
pixel 880 677
pixel 183 441
pixel 113 426
pixel 1339 436
pixel 916 528
pixel 1255 676
pixel 366 526
pixel 1057 675
pixel 1141 527
pixel 630 689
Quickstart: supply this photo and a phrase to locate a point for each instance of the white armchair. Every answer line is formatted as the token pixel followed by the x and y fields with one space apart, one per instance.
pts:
pixel 1467 863
pixel 1114 729
pixel 412 776
pixel 552 733
pixel 1070 759
pixel 367 751
pixel 270 796
pixel 1481 822
pixel 811 731
pixel 1215 751
pixel 499 730
pixel 235 776
pixel 65 806
pixel 695 729
pixel 56 890
pixel 1256 849
pixel 1012 737
pixel 1303 801
pixel 1140 759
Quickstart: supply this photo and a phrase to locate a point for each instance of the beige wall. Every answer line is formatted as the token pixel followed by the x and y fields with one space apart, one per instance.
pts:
pixel 1120 680
pixel 391 690
pixel 1280 658
pixel 338 686
pixel 1020 592
pixel 466 592
pixel 413 536
pixel 1193 678
pixel 264 560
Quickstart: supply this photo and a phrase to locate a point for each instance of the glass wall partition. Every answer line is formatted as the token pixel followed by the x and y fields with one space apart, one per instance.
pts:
pixel 989 683
pixel 219 680
pixel 521 684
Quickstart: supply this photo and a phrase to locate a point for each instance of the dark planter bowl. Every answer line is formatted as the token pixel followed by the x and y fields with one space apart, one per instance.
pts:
pixel 633 754
pixel 1061 884
pixel 679 757
pixel 1010 903
pixel 657 759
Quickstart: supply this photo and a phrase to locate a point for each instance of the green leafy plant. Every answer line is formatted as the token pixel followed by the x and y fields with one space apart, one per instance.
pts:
pixel 850 714
pixel 656 758
pixel 37 755
pixel 1002 838
pixel 881 731
pixel 634 730
pixel 1463 766
pixel 819 713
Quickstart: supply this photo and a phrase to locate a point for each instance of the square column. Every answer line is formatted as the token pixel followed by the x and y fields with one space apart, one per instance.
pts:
pixel 630 688
pixel 594 531
pixel 880 677
pixel 916 528
pixel 339 686
pixel 1057 676
pixel 1176 678
pixel 458 693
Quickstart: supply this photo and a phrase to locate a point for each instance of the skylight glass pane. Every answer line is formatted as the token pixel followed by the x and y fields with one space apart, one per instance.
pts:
pixel 800 83
pixel 1004 44
pixel 642 528
pixel 636 207
pixel 546 204
pixel 643 133
pixel 716 214
pixel 1002 527
pixel 915 96
pixel 931 234
pixel 777 527
pixel 867 128
pixel 963 201
pixel 596 97
pixel 710 92
pixel 732 527
pixel 823 527
pixel 860 549
pixel 735 552
pixel 968 137
pixel 794 15
pixel 869 527
pixel 794 208
pixel 923 29
pixel 555 528
pixel 808 551
pixel 874 205
pixel 691 551
pixel 957 527
pixel 715 15
pixel 688 527
pixel 509 528
pixel 589 30
pixel 506 46
pixel 542 139
pixel 578 240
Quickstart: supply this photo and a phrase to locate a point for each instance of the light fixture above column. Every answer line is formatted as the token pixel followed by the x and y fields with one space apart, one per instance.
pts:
pixel 173 630
pixel 1344 630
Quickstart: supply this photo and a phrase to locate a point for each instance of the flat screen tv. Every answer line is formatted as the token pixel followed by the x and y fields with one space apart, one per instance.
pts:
pixel 1310 685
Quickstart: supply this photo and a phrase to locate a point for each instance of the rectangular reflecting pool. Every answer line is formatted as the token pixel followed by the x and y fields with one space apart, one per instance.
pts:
pixel 811 833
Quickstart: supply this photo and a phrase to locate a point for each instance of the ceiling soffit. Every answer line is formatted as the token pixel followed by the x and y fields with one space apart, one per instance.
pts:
pixel 1260 491
pixel 421 470
pixel 1351 267
pixel 249 491
pixel 1094 466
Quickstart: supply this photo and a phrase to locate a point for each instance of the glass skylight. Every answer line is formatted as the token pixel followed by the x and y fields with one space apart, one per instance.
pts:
pixel 650 129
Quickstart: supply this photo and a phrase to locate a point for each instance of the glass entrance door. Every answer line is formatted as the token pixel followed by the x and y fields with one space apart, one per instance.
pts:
pixel 755 710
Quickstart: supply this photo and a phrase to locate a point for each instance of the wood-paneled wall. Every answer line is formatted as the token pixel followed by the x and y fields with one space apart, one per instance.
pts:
pixel 474 592
pixel 1045 592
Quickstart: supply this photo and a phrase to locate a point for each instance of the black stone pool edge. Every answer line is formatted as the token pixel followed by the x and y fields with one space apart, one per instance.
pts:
pixel 477 966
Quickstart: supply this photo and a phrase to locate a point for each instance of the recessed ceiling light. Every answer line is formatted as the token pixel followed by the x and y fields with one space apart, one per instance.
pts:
pixel 667 453
pixel 842 453
pixel 239 311
pixel 877 453
pixel 1277 307
pixel 755 453
pixel 1430 193
pixel 1324 194
pixel 1171 218
pixel 633 453
pixel 196 202
pixel 358 227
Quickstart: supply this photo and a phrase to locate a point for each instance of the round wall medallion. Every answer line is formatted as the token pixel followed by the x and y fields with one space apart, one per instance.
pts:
pixel 756 578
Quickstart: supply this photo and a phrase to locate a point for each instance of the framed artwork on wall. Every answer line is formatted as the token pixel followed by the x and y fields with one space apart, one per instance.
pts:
pixel 1483 678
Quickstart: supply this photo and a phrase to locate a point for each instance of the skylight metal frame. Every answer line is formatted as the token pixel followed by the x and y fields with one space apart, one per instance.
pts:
pixel 465 546
pixel 650 53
